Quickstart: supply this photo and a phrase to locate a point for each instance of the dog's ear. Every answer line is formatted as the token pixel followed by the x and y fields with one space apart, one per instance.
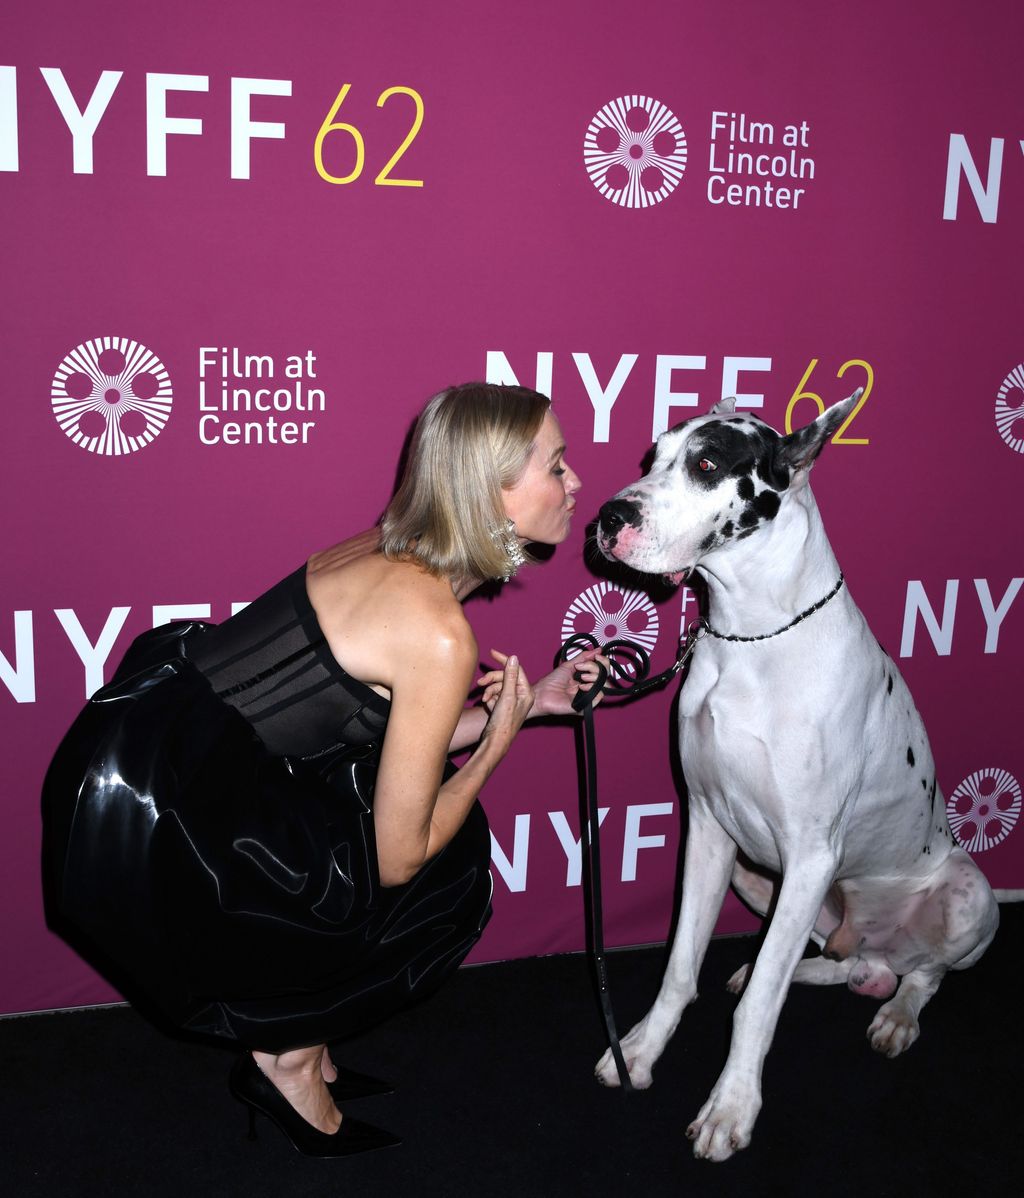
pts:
pixel 724 407
pixel 799 449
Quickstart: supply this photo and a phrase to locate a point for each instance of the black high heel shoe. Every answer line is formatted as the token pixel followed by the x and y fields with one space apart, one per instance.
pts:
pixel 350 1084
pixel 249 1084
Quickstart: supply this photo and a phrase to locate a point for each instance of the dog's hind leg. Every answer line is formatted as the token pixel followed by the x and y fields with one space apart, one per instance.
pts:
pixel 812 971
pixel 950 930
pixel 755 888
pixel 895 1027
pixel 863 975
pixel 708 862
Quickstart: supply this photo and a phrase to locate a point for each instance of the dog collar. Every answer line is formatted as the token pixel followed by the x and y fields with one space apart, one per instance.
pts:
pixel 766 636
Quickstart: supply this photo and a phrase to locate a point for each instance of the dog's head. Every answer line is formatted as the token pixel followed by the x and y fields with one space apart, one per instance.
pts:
pixel 715 481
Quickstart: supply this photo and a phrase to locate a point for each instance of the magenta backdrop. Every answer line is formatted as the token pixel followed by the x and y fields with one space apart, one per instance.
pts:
pixel 646 204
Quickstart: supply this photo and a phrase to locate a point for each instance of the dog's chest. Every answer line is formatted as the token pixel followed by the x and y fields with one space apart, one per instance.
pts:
pixel 728 760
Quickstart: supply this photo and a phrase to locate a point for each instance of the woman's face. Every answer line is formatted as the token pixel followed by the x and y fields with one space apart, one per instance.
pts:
pixel 541 503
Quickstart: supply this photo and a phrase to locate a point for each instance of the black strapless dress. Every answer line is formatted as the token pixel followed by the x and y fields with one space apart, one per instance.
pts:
pixel 209 845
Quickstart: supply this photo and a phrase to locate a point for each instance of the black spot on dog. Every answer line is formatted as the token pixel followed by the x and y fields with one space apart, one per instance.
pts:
pixel 728 528
pixel 761 507
pixel 924 783
pixel 932 796
pixel 767 505
pixel 888 689
pixel 617 512
pixel 706 544
pixel 735 450
pixel 910 755
pixel 746 533
pixel 742 468
pixel 745 489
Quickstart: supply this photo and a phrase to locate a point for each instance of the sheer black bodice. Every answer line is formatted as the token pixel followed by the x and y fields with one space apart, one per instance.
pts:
pixel 272 664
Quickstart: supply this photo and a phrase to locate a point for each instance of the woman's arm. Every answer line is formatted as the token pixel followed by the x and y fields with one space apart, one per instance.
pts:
pixel 414 815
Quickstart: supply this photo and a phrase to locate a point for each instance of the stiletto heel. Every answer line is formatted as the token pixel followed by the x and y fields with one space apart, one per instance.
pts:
pixel 249 1084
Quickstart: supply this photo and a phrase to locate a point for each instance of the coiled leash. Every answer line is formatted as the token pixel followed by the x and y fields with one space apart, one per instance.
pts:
pixel 628 676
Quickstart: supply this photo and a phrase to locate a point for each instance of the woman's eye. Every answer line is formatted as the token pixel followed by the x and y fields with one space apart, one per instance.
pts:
pixel 705 466
pixel 558 470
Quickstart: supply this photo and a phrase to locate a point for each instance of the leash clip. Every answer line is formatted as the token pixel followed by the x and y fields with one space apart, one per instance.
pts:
pixel 694 631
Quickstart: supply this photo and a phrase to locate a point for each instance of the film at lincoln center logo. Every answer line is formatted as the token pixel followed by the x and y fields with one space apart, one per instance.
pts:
pixel 635 151
pixel 1010 409
pixel 609 613
pixel 111 395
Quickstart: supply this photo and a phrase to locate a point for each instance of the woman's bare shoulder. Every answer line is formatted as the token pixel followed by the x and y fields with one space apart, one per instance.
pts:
pixel 379 615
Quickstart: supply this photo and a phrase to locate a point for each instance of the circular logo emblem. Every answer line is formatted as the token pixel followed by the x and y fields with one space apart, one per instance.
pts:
pixel 1010 409
pixel 111 395
pixel 984 808
pixel 635 152
pixel 608 613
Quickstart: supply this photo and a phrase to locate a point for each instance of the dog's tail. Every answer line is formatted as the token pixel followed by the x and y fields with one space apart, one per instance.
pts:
pixel 1009 896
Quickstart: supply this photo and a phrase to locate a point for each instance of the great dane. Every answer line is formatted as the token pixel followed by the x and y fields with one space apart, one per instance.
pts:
pixel 811 783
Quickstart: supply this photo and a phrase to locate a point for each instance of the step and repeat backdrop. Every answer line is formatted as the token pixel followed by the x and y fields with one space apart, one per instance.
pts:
pixel 243 243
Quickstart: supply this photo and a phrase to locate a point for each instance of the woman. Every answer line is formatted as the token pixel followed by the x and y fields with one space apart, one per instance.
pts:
pixel 254 826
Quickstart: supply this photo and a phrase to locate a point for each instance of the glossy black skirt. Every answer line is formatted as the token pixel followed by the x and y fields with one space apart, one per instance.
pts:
pixel 234 891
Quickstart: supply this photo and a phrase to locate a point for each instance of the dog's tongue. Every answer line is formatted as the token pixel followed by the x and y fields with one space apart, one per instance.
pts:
pixel 675 579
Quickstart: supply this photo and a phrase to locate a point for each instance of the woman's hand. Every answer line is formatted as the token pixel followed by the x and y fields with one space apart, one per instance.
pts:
pixel 509 698
pixel 554 693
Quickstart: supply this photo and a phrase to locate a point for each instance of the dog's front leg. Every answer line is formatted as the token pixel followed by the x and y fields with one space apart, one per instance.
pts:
pixel 709 858
pixel 726 1120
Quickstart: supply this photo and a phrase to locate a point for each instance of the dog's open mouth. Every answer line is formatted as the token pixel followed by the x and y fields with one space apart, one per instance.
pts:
pixel 678 576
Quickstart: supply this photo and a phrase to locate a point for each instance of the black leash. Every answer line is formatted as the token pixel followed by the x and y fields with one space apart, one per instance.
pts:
pixel 626 677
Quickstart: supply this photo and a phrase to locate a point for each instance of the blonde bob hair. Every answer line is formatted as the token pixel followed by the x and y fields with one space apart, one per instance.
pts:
pixel 469 442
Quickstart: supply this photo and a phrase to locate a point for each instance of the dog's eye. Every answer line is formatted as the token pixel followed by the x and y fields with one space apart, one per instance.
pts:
pixel 706 465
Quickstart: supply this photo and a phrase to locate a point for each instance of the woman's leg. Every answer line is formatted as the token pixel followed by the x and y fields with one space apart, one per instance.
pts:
pixel 298 1075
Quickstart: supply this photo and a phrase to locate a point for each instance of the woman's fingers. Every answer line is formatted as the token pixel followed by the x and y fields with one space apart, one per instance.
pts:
pixel 509 679
pixel 588 671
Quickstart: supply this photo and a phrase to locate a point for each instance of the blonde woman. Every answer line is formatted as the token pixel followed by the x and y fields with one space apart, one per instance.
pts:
pixel 254 828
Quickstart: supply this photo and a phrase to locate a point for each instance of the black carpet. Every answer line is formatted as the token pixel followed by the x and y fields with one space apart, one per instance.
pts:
pixel 496 1096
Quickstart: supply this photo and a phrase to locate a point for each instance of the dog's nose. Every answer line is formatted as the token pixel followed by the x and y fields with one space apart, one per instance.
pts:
pixel 617 512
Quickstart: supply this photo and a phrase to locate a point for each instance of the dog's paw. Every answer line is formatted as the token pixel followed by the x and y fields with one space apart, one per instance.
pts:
pixel 639 1072
pixel 739 979
pixel 893 1030
pixel 725 1123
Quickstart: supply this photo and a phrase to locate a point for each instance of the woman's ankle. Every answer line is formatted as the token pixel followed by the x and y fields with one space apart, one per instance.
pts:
pixel 296 1063
pixel 297 1077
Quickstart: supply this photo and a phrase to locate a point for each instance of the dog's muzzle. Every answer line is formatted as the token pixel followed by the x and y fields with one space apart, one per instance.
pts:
pixel 614 516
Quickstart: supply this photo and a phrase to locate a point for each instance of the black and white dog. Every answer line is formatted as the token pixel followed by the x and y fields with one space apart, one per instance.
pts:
pixel 811 783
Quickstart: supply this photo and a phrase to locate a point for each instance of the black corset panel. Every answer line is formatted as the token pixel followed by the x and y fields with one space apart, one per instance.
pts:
pixel 272 664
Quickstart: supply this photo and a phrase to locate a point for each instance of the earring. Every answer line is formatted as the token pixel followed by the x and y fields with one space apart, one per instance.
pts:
pixel 508 542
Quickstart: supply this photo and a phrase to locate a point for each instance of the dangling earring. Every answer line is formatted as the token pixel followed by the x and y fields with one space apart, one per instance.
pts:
pixel 508 542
